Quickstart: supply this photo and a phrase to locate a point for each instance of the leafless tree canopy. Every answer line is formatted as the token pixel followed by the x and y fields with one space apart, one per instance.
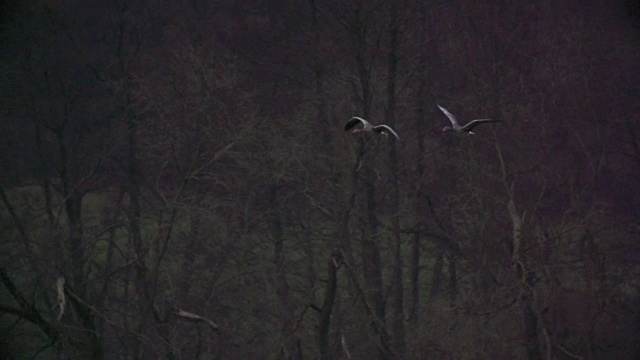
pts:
pixel 177 183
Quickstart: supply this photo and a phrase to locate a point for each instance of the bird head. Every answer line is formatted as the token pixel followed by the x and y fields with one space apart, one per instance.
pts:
pixel 447 128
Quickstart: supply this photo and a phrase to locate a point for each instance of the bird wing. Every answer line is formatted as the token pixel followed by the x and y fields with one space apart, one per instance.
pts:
pixel 386 129
pixel 354 122
pixel 452 118
pixel 472 124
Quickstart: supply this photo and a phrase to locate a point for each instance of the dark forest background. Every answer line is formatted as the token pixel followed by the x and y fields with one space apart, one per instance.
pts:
pixel 176 182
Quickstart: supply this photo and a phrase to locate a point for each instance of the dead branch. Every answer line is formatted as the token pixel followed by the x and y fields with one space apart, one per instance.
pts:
pixel 191 316
pixel 62 299
pixel 345 348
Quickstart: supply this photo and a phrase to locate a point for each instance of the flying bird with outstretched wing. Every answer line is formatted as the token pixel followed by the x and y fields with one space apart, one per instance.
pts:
pixel 359 124
pixel 455 126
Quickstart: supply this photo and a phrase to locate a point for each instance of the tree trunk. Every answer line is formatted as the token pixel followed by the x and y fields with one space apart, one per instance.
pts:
pixel 371 262
pixel 290 343
pixel 421 165
pixel 73 208
pixel 134 213
pixel 453 280
pixel 436 278
pixel 319 69
pixel 398 265
pixel 528 301
pixel 324 325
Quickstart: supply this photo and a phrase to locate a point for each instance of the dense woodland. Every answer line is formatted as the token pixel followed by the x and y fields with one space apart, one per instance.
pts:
pixel 177 183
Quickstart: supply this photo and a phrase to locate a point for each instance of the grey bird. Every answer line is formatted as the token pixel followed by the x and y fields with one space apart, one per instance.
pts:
pixel 455 126
pixel 366 126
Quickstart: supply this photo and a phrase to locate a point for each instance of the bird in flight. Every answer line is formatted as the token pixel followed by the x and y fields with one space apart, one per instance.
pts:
pixel 366 126
pixel 467 127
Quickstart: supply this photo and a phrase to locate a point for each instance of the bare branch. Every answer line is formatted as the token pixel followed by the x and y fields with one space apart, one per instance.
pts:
pixel 345 348
pixel 191 316
pixel 62 299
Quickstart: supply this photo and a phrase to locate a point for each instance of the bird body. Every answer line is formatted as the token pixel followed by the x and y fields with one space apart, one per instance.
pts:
pixel 455 126
pixel 367 127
